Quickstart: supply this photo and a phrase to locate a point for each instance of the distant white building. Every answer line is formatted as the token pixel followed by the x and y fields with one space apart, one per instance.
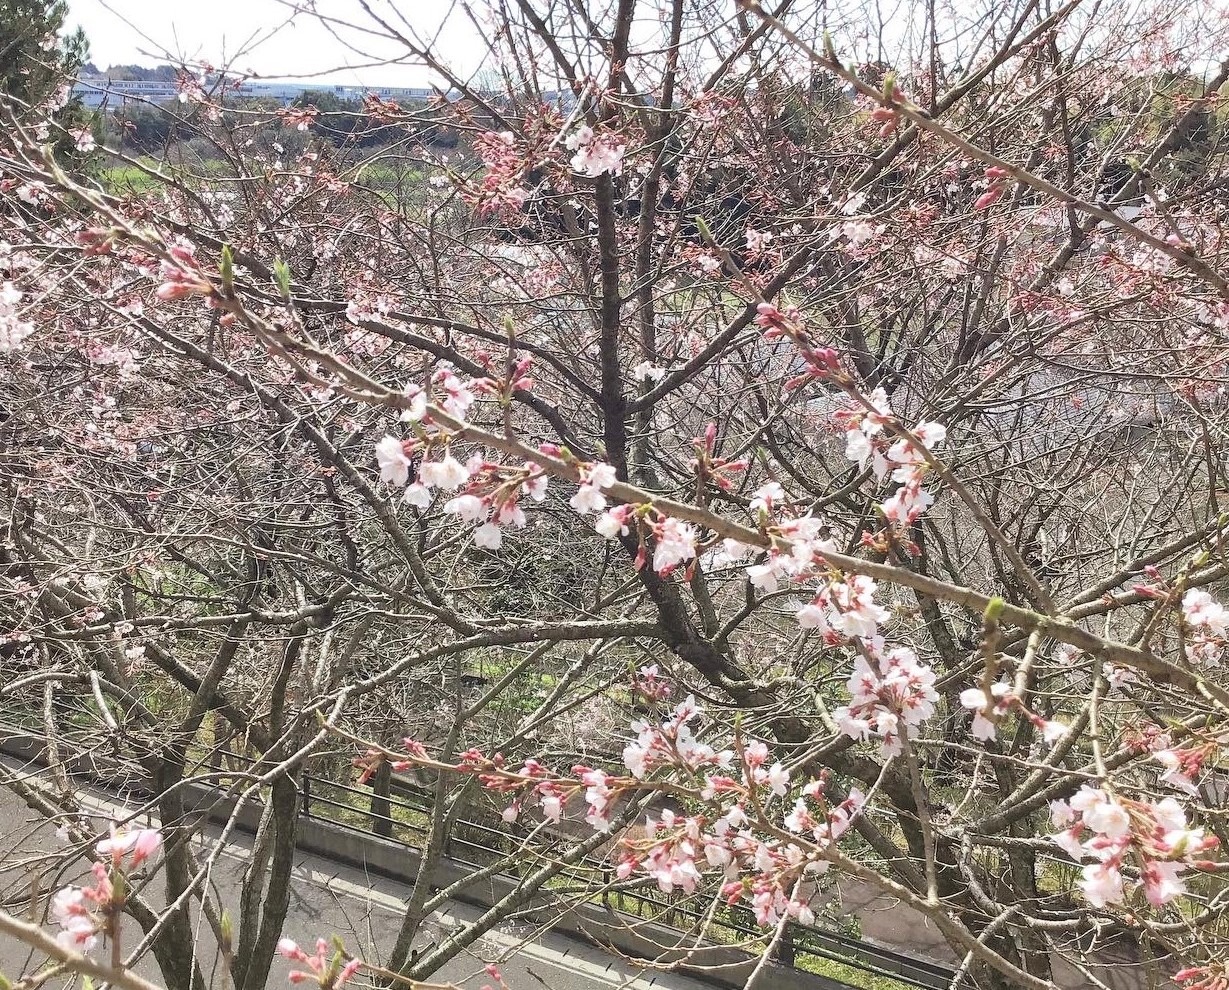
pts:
pixel 99 91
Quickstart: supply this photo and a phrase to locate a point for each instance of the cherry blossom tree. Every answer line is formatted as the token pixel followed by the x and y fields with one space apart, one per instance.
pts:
pixel 769 451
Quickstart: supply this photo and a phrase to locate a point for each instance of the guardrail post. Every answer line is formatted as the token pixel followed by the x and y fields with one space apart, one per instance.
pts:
pixel 786 953
pixel 381 807
pixel 307 796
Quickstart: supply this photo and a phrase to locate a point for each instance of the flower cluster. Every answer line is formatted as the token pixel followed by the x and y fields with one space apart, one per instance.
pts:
pixel 1208 622
pixel 453 395
pixel 747 852
pixel 85 913
pixel 858 236
pixel 804 536
pixel 647 371
pixel 651 685
pixel 300 118
pixel 890 694
pixel 989 705
pixel 502 191
pixel 867 445
pixel 329 968
pixel 674 541
pixel 81 912
pixel 672 743
pixel 596 154
pixel 766 871
pixel 13 329
pixel 83 139
pixel 758 241
pixel 1183 765
pixel 396 457
pixel 494 973
pixel 844 608
pixel 531 784
pixel 181 275
pixel 712 469
pixel 997 183
pixel 1214 976
pixel 489 495
pixel 593 479
pixel 821 362
pixel 491 500
pixel 31 193
pixel 1100 825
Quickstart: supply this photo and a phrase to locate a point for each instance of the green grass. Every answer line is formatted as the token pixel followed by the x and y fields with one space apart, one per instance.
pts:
pixel 354 810
pixel 125 179
pixel 381 175
pixel 844 973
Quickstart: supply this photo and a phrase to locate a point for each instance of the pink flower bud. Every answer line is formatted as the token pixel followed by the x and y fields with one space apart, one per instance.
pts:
pixel 989 197
pixel 289 948
pixel 1148 591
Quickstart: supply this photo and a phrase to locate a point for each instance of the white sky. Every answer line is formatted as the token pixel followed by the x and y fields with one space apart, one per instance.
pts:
pixel 261 37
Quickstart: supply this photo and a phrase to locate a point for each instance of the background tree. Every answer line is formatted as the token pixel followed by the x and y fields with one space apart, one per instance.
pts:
pixel 34 59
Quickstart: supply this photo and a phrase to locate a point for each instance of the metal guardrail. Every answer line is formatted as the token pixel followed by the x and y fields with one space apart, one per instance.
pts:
pixel 734 923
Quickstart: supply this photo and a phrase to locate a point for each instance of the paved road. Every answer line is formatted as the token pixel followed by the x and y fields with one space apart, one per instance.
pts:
pixel 364 911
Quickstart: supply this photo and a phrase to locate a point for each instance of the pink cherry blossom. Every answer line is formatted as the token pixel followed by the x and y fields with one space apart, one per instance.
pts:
pixel 613 523
pixel 328 967
pixel 73 912
pixel 489 536
pixel 646 371
pixel 470 508
pixel 1162 882
pixel 986 711
pixel 1182 766
pixel 13 330
pixel 889 694
pixel 447 473
pixel 596 154
pixel 394 461
pixel 1109 818
pixel 676 544
pixel 588 499
pixel 131 847
pixel 1102 885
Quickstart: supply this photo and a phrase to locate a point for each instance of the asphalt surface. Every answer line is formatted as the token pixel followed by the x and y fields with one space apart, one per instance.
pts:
pixel 326 899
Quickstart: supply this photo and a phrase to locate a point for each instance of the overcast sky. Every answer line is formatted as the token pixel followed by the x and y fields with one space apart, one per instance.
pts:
pixel 260 36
